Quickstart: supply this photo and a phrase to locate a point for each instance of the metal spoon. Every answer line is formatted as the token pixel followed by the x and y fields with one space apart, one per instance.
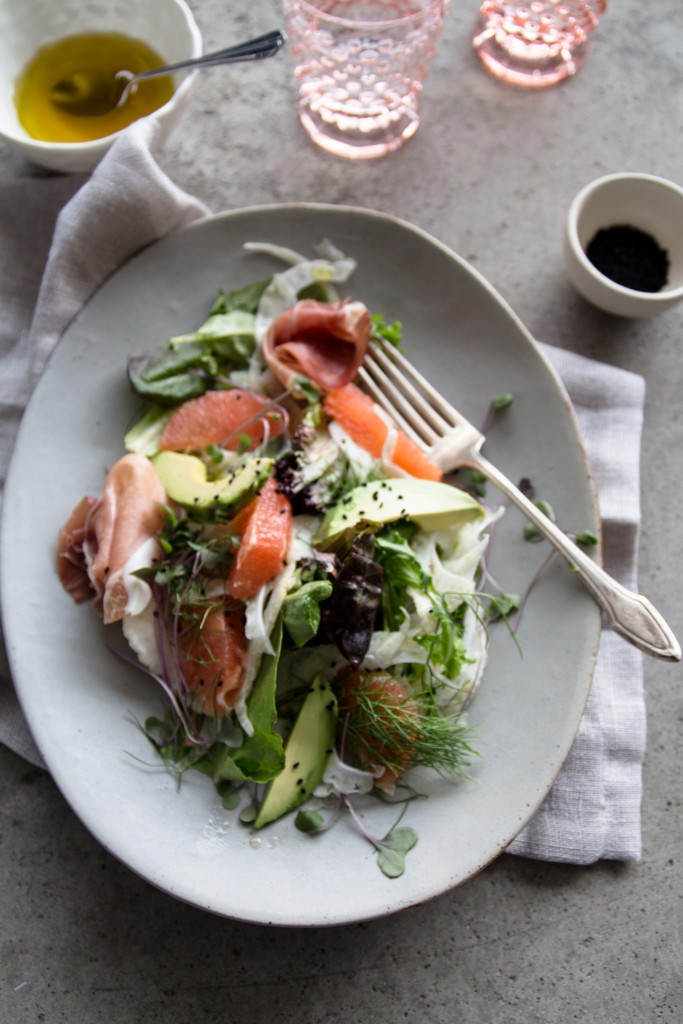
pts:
pixel 93 93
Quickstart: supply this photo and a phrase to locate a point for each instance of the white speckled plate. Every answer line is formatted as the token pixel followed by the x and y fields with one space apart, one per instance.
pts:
pixel 79 698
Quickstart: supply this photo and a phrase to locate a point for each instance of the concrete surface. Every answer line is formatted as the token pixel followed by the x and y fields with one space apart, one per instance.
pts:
pixel 491 172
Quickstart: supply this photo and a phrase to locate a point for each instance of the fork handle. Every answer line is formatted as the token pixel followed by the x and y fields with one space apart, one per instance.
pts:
pixel 630 615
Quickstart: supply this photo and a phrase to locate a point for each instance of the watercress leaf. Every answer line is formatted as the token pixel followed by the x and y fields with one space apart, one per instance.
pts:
pixel 531 532
pixel 158 731
pixel 230 797
pixel 214 453
pixel 248 814
pixel 244 443
pixel 246 298
pixel 307 388
pixel 219 765
pixel 308 821
pixel 476 482
pixel 301 610
pixel 386 331
pixel 392 852
pixel 547 509
pixel 502 605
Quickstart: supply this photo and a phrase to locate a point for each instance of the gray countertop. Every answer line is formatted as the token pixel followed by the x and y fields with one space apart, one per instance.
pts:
pixel 491 173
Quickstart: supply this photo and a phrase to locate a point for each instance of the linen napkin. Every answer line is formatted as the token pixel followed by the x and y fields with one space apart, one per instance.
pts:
pixel 61 238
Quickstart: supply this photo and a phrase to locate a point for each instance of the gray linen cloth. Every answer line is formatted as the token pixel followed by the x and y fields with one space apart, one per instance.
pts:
pixel 61 237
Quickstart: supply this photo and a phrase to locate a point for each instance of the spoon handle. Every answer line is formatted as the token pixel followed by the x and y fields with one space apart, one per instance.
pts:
pixel 253 49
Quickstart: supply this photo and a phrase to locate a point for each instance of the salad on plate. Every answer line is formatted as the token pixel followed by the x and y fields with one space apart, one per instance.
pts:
pixel 308 593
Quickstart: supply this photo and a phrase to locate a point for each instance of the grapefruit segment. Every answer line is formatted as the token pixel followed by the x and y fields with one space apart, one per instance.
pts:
pixel 358 415
pixel 266 527
pixel 213 651
pixel 380 721
pixel 222 417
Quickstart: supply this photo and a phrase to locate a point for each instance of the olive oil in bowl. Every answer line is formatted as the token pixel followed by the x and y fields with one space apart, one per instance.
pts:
pixel 104 53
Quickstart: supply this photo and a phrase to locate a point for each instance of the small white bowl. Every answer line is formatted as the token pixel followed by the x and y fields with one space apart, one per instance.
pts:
pixel 166 25
pixel 652 205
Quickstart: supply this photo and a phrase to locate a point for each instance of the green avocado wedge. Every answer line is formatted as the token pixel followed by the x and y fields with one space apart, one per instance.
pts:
pixel 431 505
pixel 306 753
pixel 185 481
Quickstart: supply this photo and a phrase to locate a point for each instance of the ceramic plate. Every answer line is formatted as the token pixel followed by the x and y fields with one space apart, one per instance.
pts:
pixel 80 699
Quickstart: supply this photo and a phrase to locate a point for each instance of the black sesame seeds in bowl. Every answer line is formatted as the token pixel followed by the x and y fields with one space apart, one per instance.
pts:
pixel 624 244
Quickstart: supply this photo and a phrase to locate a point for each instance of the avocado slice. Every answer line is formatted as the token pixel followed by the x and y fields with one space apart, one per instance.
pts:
pixel 432 505
pixel 306 754
pixel 185 481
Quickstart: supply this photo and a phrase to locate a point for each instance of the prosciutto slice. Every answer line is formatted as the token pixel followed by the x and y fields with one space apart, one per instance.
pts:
pixel 105 540
pixel 324 341
pixel 72 565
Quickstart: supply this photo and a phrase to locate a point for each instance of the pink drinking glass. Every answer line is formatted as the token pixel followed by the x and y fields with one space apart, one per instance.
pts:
pixel 362 65
pixel 537 42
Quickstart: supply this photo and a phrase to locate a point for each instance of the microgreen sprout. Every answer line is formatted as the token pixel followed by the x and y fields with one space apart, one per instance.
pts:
pixel 307 388
pixel 531 532
pixel 393 848
pixel 385 331
pixel 496 406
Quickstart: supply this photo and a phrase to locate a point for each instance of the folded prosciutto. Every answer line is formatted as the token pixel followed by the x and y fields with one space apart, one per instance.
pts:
pixel 106 539
pixel 324 341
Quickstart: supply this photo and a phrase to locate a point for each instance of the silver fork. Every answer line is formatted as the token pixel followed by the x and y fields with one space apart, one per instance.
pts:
pixel 451 441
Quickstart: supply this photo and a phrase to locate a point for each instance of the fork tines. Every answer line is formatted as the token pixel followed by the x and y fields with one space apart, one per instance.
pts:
pixel 417 407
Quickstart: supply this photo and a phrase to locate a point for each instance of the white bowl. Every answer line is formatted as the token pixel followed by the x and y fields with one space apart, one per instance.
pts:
pixel 643 201
pixel 166 25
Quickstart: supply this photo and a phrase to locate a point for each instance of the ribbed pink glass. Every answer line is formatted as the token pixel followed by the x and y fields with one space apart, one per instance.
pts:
pixel 537 42
pixel 362 65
